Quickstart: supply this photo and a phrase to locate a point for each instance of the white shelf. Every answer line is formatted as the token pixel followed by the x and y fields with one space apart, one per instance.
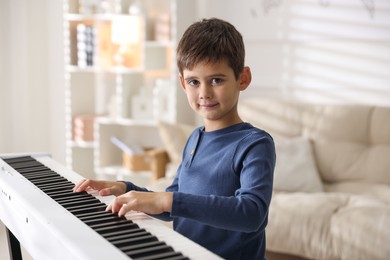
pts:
pixel 89 17
pixel 117 97
pixel 127 121
pixel 114 70
pixel 82 144
pixel 158 44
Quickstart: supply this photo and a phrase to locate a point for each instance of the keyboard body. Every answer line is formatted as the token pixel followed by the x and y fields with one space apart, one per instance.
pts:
pixel 49 231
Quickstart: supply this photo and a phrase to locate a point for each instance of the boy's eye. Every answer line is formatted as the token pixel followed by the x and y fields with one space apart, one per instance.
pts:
pixel 216 81
pixel 193 82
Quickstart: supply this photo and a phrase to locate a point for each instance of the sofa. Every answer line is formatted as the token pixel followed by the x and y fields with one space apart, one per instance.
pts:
pixel 331 196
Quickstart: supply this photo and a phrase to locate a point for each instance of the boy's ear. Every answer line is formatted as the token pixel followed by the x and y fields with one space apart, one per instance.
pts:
pixel 182 82
pixel 245 78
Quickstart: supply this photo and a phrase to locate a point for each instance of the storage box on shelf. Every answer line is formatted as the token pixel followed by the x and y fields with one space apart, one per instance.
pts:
pixel 109 158
pixel 120 71
pixel 154 160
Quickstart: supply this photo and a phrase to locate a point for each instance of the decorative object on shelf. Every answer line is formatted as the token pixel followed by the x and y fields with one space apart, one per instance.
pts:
pixel 105 48
pixel 106 6
pixel 88 7
pixel 162 28
pixel 125 32
pixel 142 104
pixel 135 8
pixel 83 128
pixel 161 90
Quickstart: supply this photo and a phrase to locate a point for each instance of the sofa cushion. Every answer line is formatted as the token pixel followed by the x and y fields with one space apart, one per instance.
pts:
pixel 299 224
pixel 295 168
pixel 361 229
pixel 351 142
pixel 379 192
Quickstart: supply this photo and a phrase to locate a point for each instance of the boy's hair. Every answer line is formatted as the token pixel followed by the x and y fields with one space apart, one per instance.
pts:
pixel 211 40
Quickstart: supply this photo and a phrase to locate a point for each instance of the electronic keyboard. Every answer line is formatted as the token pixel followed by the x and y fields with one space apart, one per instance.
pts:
pixel 40 209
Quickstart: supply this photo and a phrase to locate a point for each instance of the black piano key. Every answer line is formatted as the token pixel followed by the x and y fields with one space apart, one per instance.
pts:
pixel 95 204
pixel 19 159
pixel 68 195
pixel 49 180
pixel 61 185
pixel 164 256
pixel 179 257
pixel 145 252
pixel 127 236
pixel 49 189
pixel 28 164
pixel 134 241
pixel 57 184
pixel 97 215
pixel 112 228
pixel 93 214
pixel 141 245
pixel 60 193
pixel 77 200
pixel 39 175
pixel 88 208
pixel 28 169
pixel 103 219
pixel 131 234
pixel 70 198
pixel 81 203
pixel 123 232
pixel 109 223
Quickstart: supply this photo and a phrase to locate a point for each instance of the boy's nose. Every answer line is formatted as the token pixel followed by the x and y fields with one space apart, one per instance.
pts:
pixel 205 92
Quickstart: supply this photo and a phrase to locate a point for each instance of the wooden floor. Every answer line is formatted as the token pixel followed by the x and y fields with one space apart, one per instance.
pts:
pixel 279 256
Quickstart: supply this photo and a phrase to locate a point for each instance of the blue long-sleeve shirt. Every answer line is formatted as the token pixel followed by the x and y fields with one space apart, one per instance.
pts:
pixel 222 190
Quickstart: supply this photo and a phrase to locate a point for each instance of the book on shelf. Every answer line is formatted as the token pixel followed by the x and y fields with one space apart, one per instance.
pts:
pixel 86 45
pixel 127 146
pixel 83 127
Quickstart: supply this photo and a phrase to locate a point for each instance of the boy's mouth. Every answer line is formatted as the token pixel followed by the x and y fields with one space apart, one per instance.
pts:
pixel 208 105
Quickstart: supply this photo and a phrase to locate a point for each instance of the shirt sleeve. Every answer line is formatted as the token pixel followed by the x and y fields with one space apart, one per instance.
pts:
pixel 131 186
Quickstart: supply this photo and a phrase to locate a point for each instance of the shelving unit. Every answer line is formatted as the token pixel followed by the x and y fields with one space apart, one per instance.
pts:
pixel 120 78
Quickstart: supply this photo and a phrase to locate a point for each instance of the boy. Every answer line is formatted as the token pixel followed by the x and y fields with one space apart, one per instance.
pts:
pixel 222 191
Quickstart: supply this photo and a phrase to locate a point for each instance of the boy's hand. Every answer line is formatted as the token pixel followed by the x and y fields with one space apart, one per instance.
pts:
pixel 147 202
pixel 105 188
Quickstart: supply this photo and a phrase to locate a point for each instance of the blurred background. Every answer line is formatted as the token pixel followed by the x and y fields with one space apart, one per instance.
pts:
pixel 319 50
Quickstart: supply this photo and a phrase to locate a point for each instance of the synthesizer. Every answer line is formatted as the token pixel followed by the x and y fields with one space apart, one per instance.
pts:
pixel 40 210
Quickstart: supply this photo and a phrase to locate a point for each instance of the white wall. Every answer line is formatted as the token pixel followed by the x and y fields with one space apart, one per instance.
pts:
pixel 31 77
pixel 320 50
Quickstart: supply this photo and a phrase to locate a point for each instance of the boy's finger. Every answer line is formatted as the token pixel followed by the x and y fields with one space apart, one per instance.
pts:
pixel 106 192
pixel 77 186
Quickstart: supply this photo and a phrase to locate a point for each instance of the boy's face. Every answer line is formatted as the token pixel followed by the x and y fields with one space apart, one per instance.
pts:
pixel 212 91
